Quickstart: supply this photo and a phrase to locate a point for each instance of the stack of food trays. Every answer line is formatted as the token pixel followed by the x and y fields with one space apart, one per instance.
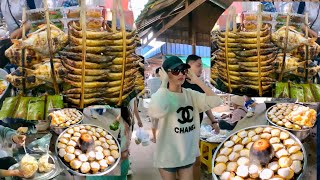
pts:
pixel 287 116
pixel 64 118
pixel 88 150
pixel 233 157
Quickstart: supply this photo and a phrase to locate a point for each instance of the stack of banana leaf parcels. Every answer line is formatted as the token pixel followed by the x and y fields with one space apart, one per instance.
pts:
pixel 29 108
pixel 242 74
pixel 103 67
pixel 300 92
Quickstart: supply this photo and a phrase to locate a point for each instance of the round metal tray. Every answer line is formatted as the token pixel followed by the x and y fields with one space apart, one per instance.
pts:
pixel 300 134
pixel 106 171
pixel 40 176
pixel 304 167
pixel 59 130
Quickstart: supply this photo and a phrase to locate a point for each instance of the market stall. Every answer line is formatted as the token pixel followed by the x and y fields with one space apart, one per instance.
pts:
pixel 241 161
pixel 266 54
pixel 72 61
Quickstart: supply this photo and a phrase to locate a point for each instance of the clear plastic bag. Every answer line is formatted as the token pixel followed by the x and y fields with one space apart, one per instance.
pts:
pixel 28 165
pixel 142 136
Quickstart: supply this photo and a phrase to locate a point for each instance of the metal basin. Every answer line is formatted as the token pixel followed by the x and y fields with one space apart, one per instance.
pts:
pixel 59 130
pixel 304 166
pixel 301 134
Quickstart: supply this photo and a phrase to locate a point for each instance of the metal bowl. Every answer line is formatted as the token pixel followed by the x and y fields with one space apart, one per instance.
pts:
pixel 305 160
pixel 301 134
pixel 40 176
pixel 106 171
pixel 59 130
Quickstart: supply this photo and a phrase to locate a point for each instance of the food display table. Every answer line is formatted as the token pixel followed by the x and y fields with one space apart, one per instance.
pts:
pixel 310 143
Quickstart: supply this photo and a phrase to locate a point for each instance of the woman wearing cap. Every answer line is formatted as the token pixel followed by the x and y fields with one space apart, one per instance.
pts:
pixel 179 123
pixel 238 113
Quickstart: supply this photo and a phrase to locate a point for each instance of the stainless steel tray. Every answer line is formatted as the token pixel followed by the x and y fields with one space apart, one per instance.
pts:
pixel 305 160
pixel 106 171
pixel 300 134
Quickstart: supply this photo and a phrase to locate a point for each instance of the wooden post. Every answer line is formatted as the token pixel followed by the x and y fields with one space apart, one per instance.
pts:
pixel 259 18
pixel 285 45
pixel 226 47
pixel 84 49
pixel 24 18
pixel 53 74
pixel 124 52
pixel 114 16
pixel 307 49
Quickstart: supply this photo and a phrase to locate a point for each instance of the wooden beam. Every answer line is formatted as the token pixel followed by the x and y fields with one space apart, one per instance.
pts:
pixel 178 17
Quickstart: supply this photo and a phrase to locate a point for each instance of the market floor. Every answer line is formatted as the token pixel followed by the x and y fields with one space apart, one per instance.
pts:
pixel 142 157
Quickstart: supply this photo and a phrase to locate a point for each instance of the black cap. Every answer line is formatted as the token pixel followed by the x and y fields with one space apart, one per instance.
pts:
pixel 174 62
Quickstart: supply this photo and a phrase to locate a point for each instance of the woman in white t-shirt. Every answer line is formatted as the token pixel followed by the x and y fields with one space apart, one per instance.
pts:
pixel 178 109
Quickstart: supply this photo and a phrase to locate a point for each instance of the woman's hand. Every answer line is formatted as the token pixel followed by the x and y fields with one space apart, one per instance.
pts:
pixel 164 78
pixel 140 124
pixel 216 128
pixel 19 139
pixel 17 173
pixel 16 34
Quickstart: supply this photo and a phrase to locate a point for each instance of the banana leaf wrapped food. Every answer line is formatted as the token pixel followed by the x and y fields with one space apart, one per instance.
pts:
pixel 308 96
pixel 36 108
pixel 21 111
pixel 297 92
pixel 282 90
pixel 8 107
pixel 316 90
pixel 53 102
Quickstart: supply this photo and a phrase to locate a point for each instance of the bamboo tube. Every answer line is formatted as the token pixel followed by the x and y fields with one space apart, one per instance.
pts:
pixel 84 49
pixel 307 48
pixel 24 18
pixel 259 18
pixel 53 74
pixel 226 47
pixel 114 16
pixel 234 20
pixel 285 45
pixel 123 29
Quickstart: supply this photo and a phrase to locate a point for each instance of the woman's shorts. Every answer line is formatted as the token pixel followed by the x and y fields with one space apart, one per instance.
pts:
pixel 174 170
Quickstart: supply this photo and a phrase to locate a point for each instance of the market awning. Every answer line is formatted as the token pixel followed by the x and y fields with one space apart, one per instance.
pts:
pixel 180 21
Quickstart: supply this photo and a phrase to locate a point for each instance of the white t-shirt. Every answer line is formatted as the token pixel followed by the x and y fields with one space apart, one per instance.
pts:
pixel 179 125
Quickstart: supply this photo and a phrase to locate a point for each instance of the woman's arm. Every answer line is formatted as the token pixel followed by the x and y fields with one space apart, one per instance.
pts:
pixel 17 34
pixel 195 80
pixel 8 173
pixel 6 134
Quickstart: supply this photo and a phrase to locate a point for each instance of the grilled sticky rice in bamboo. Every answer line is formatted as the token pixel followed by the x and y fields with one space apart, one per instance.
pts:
pixel 14 54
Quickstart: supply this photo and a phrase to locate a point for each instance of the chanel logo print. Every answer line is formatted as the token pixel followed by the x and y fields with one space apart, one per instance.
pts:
pixel 185 114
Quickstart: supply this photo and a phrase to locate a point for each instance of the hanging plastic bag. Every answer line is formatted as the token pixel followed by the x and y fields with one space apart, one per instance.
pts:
pixel 142 136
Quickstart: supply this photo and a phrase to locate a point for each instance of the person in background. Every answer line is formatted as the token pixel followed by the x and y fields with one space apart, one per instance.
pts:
pixel 250 104
pixel 195 63
pixel 154 121
pixel 228 122
pixel 12 14
pixel 154 82
pixel 177 110
pixel 9 135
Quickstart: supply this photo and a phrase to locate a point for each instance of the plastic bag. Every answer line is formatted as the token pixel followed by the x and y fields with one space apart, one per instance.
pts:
pixel 28 165
pixel 142 136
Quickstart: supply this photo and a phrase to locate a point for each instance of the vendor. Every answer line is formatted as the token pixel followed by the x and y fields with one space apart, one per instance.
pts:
pixel 9 135
pixel 228 122
pixel 12 14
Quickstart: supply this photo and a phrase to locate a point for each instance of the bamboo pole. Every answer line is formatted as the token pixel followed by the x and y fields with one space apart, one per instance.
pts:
pixel 285 45
pixel 307 48
pixel 259 18
pixel 53 74
pixel 226 47
pixel 84 49
pixel 234 21
pixel 114 16
pixel 123 29
pixel 24 19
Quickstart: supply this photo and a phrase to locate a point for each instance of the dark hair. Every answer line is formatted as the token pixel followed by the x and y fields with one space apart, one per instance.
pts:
pixel 157 70
pixel 192 57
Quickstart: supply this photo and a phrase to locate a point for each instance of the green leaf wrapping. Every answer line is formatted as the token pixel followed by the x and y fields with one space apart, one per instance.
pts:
pixel 308 96
pixel 8 107
pixel 36 108
pixel 297 92
pixel 282 90
pixel 53 101
pixel 316 90
pixel 22 110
